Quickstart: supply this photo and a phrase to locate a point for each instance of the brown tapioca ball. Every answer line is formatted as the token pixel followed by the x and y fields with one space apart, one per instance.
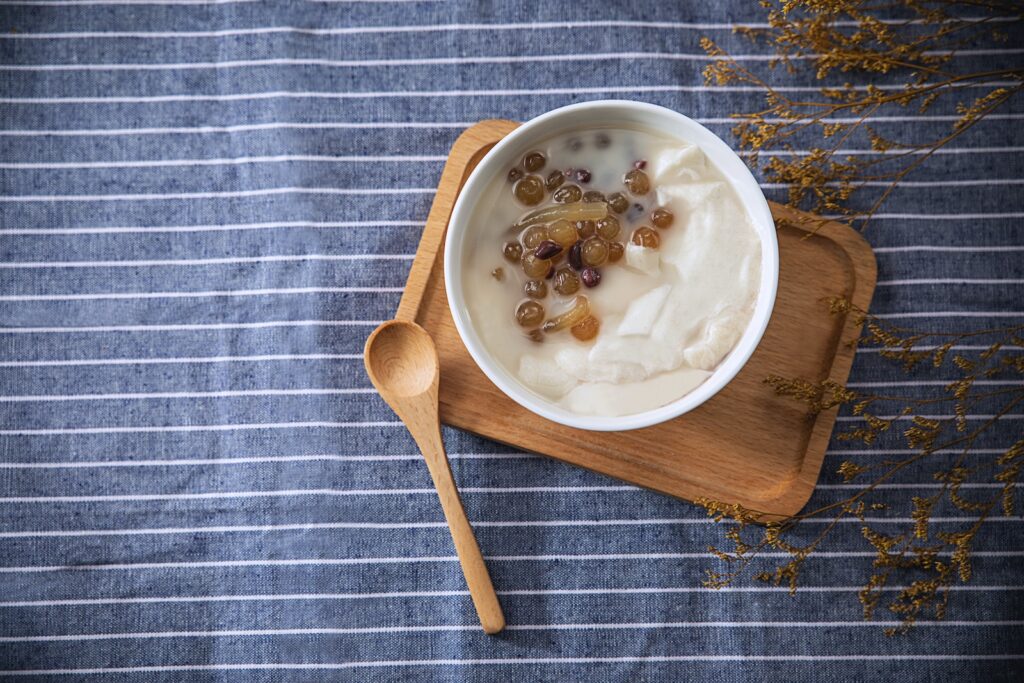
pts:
pixel 529 314
pixel 563 232
pixel 646 237
pixel 617 202
pixel 615 251
pixel 608 227
pixel 585 229
pixel 662 218
pixel 534 161
pixel 515 174
pixel 512 251
pixel 586 329
pixel 637 182
pixel 536 289
pixel 595 252
pixel 593 196
pixel 534 235
pixel 535 267
pixel 498 273
pixel 555 179
pixel 566 281
pixel 535 336
pixel 529 190
pixel 602 140
pixel 583 175
pixel 567 194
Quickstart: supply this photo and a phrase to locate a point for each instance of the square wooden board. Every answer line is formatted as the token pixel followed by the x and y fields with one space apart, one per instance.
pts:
pixel 745 445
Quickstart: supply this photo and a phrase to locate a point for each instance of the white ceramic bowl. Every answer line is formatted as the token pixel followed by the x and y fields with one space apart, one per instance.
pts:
pixel 610 113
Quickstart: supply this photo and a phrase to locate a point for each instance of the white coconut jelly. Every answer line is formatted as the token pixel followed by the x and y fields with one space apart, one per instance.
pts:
pixel 662 311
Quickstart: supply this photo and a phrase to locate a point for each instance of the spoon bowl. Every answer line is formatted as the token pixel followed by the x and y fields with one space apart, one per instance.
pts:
pixel 401 359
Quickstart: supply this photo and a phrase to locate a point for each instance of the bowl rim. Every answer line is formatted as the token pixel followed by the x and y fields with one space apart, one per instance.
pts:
pixel 750 194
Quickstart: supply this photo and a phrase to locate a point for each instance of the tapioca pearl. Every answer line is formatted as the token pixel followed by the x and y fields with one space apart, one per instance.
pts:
pixel 512 251
pixel 567 194
pixel 534 235
pixel 637 182
pixel 529 314
pixel 617 202
pixel 608 227
pixel 529 190
pixel 646 237
pixel 535 267
pixel 594 252
pixel 662 218
pixel 534 161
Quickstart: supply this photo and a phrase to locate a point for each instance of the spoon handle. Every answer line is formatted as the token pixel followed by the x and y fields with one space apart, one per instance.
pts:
pixel 479 581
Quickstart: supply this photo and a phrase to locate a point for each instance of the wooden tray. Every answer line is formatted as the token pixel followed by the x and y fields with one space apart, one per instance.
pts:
pixel 745 445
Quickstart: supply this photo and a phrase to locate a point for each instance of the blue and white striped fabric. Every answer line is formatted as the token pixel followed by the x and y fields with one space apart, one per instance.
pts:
pixel 205 209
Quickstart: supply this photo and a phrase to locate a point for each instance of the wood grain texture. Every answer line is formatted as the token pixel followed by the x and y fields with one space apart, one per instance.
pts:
pixel 402 362
pixel 745 445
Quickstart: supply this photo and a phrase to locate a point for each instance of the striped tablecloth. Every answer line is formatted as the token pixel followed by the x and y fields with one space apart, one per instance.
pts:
pixel 207 206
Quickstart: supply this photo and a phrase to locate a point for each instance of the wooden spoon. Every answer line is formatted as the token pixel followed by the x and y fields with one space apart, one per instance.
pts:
pixel 402 362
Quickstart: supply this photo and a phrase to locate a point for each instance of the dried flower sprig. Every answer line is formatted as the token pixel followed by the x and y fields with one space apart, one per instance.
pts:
pixel 839 37
pixel 932 561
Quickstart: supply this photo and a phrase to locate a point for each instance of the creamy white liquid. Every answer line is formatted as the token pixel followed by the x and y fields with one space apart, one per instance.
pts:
pixel 668 317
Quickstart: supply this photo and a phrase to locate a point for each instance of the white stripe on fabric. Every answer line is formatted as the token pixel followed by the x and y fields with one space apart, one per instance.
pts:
pixel 437 559
pixel 232 260
pixel 950 281
pixel 227 227
pixel 247 460
pixel 373 95
pixel 290 493
pixel 955 347
pixel 972 182
pixel 444 61
pixel 221 194
pixel 92 3
pixel 435 628
pixel 300 597
pixel 520 662
pixel 246 426
pixel 232 393
pixel 944 248
pixel 906 452
pixel 951 314
pixel 125 296
pixel 95 296
pixel 340 159
pixel 1006 149
pixel 187 327
pixel 373 125
pixel 399 526
pixel 897 418
pixel 514 662
pixel 933 216
pixel 374 30
pixel 934 383
pixel 183 360
pixel 234 161
pixel 190 327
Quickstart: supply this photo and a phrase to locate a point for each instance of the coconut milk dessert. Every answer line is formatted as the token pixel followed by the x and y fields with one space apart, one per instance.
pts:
pixel 611 270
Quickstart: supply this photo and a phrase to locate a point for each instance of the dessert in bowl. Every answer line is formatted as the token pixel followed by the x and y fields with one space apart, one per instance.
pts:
pixel 611 265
